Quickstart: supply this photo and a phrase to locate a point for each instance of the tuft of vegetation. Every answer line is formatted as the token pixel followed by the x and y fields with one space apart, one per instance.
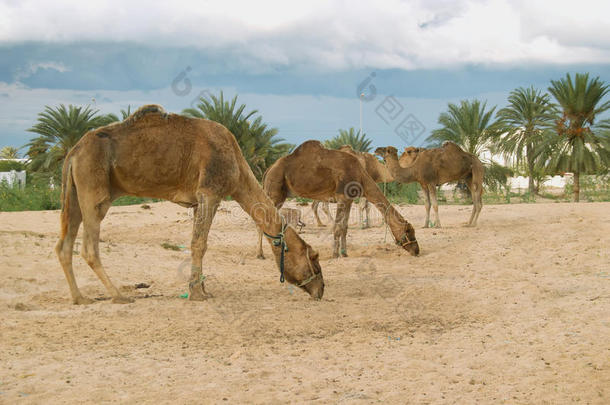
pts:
pixel 33 197
pixel 8 165
pixel 171 246
pixel 402 193
pixel 131 200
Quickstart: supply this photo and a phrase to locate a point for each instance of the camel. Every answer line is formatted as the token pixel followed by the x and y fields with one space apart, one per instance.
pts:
pixel 312 171
pixel 378 172
pixel 292 217
pixel 433 167
pixel 189 161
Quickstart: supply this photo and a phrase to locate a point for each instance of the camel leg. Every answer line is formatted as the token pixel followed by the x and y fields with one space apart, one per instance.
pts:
pixel 204 215
pixel 437 220
pixel 65 246
pixel 326 209
pixel 93 214
pixel 314 208
pixel 366 207
pixel 427 204
pixel 340 228
pixel 260 254
pixel 476 192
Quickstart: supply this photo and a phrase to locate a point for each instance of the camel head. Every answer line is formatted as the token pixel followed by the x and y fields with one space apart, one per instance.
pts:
pixel 408 242
pixel 387 152
pixel 408 156
pixel 301 265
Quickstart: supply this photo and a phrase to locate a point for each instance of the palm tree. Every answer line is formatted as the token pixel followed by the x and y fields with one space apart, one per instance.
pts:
pixel 578 145
pixel 9 152
pixel 472 127
pixel 528 113
pixel 115 118
pixel 60 128
pixel 259 143
pixel 359 142
pixel 466 124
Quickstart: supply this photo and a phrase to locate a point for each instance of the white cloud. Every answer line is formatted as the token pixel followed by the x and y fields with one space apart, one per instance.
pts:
pixel 334 34
pixel 32 68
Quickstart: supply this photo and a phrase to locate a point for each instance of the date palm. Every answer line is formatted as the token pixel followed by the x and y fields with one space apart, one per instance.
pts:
pixel 115 118
pixel 259 143
pixel 9 152
pixel 359 142
pixel 528 113
pixel 470 125
pixel 578 144
pixel 59 129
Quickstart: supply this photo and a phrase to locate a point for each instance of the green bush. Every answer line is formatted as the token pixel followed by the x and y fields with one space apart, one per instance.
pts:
pixel 31 198
pixel 401 193
pixel 8 165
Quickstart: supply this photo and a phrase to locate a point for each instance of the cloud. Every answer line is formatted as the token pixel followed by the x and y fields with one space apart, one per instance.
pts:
pixel 32 68
pixel 270 35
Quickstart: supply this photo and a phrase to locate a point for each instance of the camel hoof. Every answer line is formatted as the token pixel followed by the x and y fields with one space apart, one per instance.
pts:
pixel 199 296
pixel 438 226
pixel 122 300
pixel 262 257
pixel 343 254
pixel 197 292
pixel 83 301
pixel 321 226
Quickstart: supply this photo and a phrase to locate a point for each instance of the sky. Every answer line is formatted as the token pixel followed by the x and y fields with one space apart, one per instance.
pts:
pixel 309 68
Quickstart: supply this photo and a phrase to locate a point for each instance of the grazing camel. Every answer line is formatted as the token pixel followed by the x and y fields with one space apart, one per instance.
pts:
pixel 312 171
pixel 378 172
pixel 192 162
pixel 433 167
pixel 292 217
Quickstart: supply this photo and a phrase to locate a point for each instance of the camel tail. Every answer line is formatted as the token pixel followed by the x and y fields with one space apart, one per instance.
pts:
pixel 67 188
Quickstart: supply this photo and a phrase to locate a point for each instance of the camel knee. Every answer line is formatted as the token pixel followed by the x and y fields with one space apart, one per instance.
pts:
pixel 89 256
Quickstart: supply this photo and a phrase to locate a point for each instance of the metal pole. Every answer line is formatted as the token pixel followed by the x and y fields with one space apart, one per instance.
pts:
pixel 361 97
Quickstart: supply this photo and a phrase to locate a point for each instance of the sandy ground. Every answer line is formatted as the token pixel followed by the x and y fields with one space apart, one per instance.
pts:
pixel 516 311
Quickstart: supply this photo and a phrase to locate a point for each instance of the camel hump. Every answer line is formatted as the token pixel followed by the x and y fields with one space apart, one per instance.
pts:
pixel 346 148
pixel 311 146
pixel 146 110
pixel 451 144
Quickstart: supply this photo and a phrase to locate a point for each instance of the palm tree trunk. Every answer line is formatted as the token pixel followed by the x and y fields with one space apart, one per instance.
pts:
pixel 530 168
pixel 576 187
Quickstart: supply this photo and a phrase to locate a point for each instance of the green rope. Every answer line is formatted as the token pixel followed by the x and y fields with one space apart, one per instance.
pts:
pixel 280 241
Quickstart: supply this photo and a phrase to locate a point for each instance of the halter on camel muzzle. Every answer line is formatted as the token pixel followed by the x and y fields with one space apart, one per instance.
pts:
pixel 280 241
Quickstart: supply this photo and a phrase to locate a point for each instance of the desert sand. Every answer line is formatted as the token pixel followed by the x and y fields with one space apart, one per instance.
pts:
pixel 516 311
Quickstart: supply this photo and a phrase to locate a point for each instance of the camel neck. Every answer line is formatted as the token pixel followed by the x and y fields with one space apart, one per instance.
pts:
pixel 258 206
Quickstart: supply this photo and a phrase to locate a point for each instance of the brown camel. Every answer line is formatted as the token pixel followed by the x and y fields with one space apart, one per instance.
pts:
pixel 312 171
pixel 433 167
pixel 192 162
pixel 378 172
